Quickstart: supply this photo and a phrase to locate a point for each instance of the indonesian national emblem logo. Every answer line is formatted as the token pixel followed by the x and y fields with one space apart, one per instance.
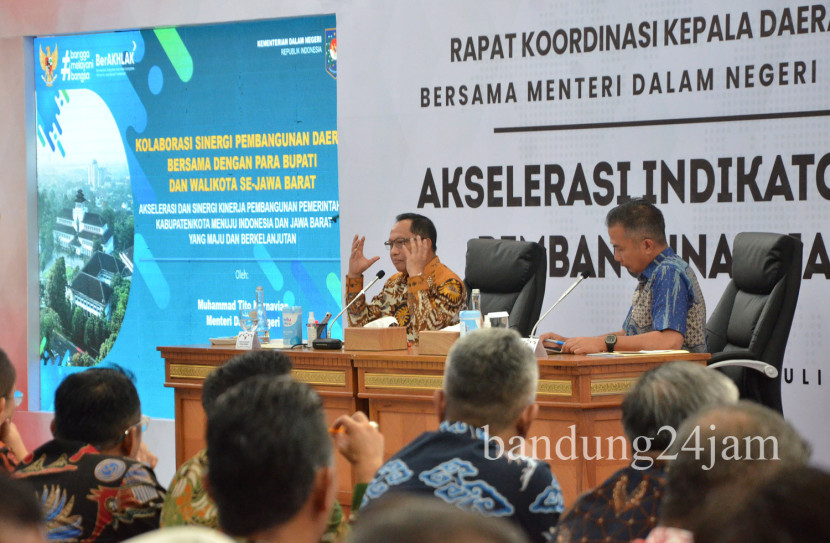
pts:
pixel 331 52
pixel 48 62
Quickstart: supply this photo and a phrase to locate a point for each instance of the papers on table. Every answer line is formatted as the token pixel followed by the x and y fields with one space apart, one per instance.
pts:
pixel 641 353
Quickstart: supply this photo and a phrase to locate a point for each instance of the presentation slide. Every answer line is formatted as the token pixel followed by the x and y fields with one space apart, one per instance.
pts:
pixel 178 170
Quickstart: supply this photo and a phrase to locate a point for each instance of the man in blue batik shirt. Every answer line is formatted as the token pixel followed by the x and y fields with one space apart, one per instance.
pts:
pixel 667 310
pixel 486 407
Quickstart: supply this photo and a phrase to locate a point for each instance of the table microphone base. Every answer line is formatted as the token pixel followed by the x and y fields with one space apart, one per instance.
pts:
pixel 328 343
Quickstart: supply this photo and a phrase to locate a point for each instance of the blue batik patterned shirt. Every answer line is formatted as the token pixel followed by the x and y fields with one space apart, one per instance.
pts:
pixel 461 466
pixel 668 297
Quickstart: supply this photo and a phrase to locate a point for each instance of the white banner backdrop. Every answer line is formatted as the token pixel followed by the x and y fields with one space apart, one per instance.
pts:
pixel 531 120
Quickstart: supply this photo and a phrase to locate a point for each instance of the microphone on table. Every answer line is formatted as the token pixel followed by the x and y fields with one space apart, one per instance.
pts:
pixel 584 275
pixel 333 343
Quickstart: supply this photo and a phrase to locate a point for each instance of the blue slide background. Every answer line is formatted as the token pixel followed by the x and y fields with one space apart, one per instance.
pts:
pixel 218 82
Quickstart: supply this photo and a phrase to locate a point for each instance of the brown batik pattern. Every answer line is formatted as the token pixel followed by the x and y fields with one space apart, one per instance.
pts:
pixel 426 302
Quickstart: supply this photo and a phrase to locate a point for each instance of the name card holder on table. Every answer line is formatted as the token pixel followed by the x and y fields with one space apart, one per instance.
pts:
pixel 248 341
pixel 535 344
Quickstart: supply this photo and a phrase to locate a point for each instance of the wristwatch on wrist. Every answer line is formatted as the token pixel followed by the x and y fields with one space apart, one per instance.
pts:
pixel 610 342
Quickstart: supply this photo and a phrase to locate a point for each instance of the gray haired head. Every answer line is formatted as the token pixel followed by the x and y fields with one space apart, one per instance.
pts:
pixel 721 446
pixel 640 218
pixel 667 395
pixel 489 378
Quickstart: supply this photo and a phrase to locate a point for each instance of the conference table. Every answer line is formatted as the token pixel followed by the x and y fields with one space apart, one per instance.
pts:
pixel 578 430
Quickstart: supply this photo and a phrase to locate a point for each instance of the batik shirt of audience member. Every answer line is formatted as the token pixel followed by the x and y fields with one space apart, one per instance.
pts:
pixel 668 297
pixel 460 465
pixel 621 509
pixel 426 302
pixel 88 496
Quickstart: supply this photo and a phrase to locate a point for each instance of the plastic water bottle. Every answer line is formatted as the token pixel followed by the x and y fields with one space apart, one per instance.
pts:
pixel 475 305
pixel 311 327
pixel 262 318
pixel 475 300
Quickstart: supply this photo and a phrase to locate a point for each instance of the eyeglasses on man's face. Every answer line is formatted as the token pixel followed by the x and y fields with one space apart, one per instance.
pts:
pixel 397 243
pixel 142 424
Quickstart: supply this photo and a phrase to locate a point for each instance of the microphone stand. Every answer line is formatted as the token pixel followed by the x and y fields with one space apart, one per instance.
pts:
pixel 330 343
pixel 584 275
pixel 533 342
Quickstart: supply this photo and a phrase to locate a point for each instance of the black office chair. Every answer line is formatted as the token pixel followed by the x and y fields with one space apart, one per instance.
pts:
pixel 511 276
pixel 750 325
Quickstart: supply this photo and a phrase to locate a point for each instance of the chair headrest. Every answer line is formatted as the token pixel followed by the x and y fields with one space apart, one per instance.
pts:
pixel 499 265
pixel 760 260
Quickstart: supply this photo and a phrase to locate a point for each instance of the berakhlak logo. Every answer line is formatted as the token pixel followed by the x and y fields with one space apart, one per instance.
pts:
pixel 48 63
pixel 331 52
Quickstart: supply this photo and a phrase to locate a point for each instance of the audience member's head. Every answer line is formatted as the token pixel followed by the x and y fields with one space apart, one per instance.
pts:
pixel 640 219
pixel 414 519
pixel 736 445
pixel 99 406
pixel 8 377
pixel 21 519
pixel 666 396
pixel 239 368
pixel 490 379
pixel 790 505
pixel 270 456
pixel 181 534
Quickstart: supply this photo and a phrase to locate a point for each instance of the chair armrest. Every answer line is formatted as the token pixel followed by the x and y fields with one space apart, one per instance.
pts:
pixel 756 365
pixel 732 355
